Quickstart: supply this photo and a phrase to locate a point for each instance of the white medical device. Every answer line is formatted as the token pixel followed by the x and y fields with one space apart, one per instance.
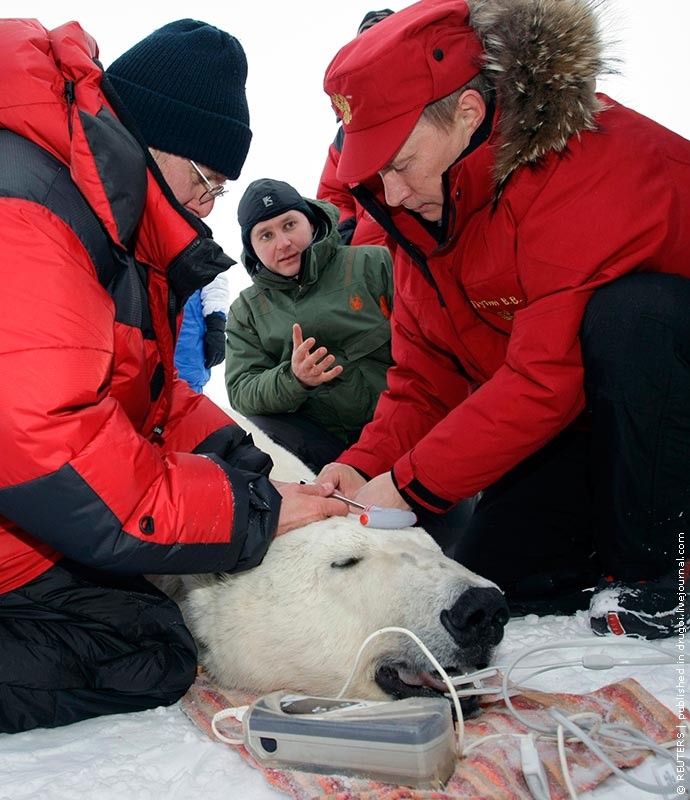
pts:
pixel 410 742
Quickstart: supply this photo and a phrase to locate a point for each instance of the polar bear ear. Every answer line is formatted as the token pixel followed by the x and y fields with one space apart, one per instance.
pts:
pixel 343 563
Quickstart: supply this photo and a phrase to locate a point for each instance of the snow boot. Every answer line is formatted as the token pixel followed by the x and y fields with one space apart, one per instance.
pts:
pixel 650 609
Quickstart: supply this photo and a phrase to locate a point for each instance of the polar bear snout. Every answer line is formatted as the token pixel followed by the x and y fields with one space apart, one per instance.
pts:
pixel 477 617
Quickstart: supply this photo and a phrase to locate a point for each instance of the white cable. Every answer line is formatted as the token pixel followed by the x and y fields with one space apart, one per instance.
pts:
pixel 662 657
pixel 225 713
pixel 563 758
pixel 478 742
pixel 543 669
pixel 635 740
pixel 432 659
pixel 598 751
pixel 599 661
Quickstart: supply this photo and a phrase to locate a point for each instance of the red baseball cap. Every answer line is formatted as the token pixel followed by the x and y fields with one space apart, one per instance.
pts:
pixel 381 81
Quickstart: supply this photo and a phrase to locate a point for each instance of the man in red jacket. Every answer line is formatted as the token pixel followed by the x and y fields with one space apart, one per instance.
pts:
pixel 112 467
pixel 356 226
pixel 541 333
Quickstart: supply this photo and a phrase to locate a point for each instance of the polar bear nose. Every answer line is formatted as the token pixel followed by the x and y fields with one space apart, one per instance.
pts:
pixel 479 614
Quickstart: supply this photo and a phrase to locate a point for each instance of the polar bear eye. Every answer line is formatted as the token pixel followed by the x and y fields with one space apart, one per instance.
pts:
pixel 345 562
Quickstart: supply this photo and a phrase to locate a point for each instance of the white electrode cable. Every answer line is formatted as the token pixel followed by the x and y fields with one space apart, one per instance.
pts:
pixel 592 661
pixel 565 769
pixel 432 659
pixel 236 712
pixel 594 747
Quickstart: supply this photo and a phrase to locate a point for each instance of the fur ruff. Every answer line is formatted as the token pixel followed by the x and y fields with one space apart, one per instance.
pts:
pixel 543 56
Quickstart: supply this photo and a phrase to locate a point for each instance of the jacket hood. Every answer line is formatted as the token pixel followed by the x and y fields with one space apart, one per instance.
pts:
pixel 51 95
pixel 543 57
pixel 326 239
pixel 54 94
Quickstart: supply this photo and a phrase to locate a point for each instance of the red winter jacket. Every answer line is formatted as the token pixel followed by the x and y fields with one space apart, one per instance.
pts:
pixel 356 225
pixel 107 457
pixel 488 364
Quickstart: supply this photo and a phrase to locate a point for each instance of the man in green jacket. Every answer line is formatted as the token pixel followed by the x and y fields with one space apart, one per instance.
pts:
pixel 308 345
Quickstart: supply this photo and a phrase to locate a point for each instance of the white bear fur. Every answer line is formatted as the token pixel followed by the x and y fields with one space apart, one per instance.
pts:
pixel 297 620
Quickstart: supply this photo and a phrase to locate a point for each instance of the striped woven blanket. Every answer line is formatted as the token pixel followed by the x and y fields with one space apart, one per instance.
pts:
pixel 492 771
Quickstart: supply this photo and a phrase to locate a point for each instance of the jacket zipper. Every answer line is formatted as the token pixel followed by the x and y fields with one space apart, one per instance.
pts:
pixel 69 97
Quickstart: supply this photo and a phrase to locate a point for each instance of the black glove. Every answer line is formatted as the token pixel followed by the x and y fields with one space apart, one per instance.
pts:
pixel 214 339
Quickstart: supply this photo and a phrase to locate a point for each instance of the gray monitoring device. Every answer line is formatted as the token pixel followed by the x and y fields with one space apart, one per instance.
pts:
pixel 406 742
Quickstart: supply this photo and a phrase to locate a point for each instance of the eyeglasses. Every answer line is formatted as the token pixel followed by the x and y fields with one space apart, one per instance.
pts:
pixel 213 190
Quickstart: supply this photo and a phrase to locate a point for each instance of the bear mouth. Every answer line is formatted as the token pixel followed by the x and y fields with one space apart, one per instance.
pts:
pixel 399 682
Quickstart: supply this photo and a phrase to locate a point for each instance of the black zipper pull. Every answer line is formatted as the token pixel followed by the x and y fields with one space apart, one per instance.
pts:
pixel 69 96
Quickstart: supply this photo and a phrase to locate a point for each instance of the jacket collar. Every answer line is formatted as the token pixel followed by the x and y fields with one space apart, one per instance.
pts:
pixel 52 96
pixel 543 56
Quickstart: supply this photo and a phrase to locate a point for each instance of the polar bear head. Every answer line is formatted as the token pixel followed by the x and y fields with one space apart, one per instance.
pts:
pixel 297 621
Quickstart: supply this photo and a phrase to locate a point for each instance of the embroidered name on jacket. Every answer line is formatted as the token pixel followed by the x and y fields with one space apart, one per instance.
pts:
pixel 503 307
pixel 497 303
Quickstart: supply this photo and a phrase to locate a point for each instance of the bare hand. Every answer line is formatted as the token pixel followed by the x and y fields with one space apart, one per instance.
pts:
pixel 304 503
pixel 381 491
pixel 346 479
pixel 311 368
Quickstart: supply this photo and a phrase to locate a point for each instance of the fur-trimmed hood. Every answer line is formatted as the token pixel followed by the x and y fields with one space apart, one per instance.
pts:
pixel 543 56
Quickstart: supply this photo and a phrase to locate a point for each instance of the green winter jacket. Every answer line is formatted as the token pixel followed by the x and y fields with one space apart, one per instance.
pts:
pixel 342 297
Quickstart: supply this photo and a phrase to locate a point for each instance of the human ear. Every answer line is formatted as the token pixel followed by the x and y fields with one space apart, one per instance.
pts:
pixel 471 109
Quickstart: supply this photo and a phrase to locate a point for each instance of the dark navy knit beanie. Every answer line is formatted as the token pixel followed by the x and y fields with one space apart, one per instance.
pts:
pixel 264 199
pixel 184 85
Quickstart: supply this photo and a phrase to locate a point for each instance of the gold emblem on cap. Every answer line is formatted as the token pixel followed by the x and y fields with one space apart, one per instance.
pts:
pixel 342 104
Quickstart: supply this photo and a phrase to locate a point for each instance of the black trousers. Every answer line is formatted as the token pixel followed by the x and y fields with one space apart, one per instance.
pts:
pixel 75 643
pixel 612 495
pixel 313 445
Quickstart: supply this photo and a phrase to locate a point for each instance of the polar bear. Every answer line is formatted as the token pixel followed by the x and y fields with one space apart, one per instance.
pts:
pixel 298 619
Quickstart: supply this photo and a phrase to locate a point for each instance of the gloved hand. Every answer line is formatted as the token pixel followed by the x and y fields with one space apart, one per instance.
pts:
pixel 214 339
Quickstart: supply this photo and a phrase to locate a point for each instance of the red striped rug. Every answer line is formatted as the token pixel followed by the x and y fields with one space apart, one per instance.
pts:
pixel 492 771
